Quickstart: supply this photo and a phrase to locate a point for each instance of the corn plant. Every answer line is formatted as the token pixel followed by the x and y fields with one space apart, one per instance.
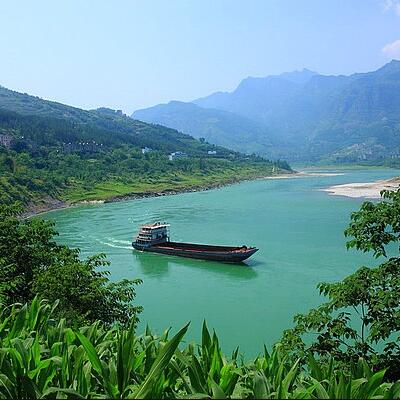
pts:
pixel 41 357
pixel 209 373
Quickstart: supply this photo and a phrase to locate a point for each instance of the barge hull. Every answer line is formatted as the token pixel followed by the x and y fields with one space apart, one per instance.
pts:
pixel 198 251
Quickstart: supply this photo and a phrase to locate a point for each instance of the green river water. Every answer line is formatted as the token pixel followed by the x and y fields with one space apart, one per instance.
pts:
pixel 298 229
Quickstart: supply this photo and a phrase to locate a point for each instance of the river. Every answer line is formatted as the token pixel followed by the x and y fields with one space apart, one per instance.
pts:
pixel 298 229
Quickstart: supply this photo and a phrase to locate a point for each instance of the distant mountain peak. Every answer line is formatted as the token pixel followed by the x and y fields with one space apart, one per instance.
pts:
pixel 300 77
pixel 391 65
pixel 300 115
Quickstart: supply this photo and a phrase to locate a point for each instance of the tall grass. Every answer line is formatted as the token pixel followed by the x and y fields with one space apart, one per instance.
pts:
pixel 44 358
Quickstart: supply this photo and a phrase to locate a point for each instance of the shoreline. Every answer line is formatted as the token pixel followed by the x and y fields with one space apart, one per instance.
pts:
pixel 368 190
pixel 52 204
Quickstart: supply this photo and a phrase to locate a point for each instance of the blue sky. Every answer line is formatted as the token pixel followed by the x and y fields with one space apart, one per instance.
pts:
pixel 134 54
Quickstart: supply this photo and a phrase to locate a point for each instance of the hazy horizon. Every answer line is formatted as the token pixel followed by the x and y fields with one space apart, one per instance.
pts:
pixel 130 55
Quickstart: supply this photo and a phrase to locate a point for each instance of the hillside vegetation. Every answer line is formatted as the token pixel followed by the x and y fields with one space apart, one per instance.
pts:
pixel 62 152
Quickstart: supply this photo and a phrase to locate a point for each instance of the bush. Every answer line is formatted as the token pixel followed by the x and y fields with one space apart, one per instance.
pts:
pixel 33 264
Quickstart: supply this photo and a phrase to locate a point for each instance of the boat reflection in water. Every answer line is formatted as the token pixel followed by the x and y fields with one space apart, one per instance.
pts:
pixel 152 265
pixel 155 238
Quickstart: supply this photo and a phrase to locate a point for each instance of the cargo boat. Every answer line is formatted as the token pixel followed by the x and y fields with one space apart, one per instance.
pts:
pixel 155 238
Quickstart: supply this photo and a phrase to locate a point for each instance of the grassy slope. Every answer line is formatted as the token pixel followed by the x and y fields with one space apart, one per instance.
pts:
pixel 172 182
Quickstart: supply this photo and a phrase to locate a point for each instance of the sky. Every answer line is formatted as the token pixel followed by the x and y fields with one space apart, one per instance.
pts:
pixel 134 54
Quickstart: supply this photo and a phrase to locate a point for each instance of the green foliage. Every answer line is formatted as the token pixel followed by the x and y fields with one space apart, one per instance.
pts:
pixel 361 318
pixel 33 264
pixel 42 357
pixel 65 156
pixel 375 226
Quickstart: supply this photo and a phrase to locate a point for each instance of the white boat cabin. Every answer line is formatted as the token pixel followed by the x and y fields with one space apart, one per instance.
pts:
pixel 151 234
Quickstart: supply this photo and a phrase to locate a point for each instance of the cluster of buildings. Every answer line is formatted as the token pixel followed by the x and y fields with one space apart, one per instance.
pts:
pixel 6 141
pixel 177 154
pixel 83 147
pixel 171 157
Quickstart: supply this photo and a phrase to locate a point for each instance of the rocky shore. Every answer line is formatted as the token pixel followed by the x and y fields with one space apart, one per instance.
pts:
pixel 47 204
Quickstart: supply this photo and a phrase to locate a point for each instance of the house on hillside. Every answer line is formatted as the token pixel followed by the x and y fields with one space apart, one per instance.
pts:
pixel 211 152
pixel 6 141
pixel 146 150
pixel 176 155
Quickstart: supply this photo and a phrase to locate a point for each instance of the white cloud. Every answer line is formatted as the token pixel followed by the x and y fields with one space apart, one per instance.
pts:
pixel 392 50
pixel 394 5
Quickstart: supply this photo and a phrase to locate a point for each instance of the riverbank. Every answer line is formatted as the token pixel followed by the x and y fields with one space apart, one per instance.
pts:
pixel 45 205
pixel 112 192
pixel 369 190
pixel 106 193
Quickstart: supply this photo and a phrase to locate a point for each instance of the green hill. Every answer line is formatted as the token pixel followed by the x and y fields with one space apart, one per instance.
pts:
pixel 105 125
pixel 61 153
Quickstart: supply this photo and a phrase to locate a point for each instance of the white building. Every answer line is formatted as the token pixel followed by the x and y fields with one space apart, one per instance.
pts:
pixel 146 150
pixel 211 152
pixel 176 155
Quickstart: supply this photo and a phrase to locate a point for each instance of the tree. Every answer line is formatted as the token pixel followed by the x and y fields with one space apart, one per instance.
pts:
pixel 32 263
pixel 362 315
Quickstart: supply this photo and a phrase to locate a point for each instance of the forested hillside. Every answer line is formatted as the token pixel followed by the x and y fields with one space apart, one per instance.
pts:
pixel 53 151
pixel 217 126
pixel 305 116
pixel 59 123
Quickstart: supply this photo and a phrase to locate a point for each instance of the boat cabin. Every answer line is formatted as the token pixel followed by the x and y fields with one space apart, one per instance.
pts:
pixel 152 234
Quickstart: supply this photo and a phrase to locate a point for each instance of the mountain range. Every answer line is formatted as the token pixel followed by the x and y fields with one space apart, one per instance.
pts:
pixel 299 116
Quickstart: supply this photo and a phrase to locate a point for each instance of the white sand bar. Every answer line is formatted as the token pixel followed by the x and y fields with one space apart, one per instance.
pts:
pixel 302 174
pixel 370 190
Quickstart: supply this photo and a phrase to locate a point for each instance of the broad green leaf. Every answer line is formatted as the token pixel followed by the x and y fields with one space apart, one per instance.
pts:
pixel 160 363
pixel 91 352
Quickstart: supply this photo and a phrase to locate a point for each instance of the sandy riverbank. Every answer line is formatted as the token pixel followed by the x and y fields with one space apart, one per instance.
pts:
pixel 302 174
pixel 369 190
